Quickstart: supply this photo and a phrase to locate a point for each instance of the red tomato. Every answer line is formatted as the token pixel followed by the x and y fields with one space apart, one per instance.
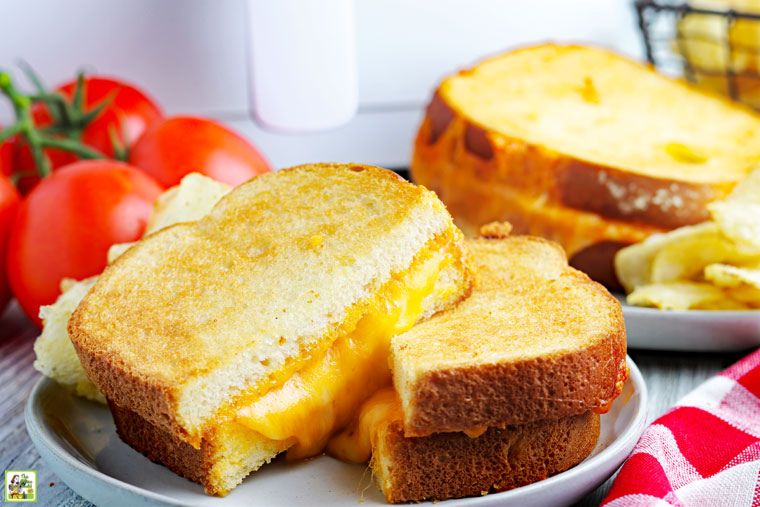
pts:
pixel 176 146
pixel 130 113
pixel 66 224
pixel 6 157
pixel 9 201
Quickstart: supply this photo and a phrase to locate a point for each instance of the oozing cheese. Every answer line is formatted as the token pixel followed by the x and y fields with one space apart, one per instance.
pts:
pixel 354 444
pixel 323 396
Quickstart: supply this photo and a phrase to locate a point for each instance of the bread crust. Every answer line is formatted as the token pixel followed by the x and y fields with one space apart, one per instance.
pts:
pixel 618 194
pixel 503 394
pixel 453 465
pixel 226 455
pixel 160 446
pixel 575 183
pixel 478 189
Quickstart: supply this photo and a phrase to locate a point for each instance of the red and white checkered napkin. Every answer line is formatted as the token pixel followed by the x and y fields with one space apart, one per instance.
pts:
pixel 705 451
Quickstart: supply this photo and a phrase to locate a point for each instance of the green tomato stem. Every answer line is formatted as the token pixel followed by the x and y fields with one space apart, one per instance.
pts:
pixel 69 120
pixel 71 146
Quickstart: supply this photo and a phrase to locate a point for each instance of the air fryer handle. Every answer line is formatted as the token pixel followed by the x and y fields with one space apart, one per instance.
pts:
pixel 302 63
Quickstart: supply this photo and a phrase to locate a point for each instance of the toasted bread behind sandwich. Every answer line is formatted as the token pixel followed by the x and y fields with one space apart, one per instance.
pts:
pixel 199 317
pixel 584 130
pixel 536 340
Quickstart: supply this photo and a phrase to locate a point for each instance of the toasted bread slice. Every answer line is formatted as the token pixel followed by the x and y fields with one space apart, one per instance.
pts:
pixel 453 465
pixel 536 340
pixel 584 130
pixel 200 318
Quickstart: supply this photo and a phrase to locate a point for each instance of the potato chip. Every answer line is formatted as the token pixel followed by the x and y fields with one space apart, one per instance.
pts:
pixel 746 294
pixel 738 215
pixel 633 264
pixel 56 357
pixel 117 249
pixel 712 266
pixel 677 295
pixel 724 275
pixel 189 201
pixel 686 259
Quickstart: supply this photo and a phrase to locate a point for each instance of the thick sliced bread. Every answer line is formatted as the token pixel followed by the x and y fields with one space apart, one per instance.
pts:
pixel 197 317
pixel 535 340
pixel 454 465
pixel 580 129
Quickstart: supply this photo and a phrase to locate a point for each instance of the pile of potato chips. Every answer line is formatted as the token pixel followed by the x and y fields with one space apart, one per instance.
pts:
pixel 710 266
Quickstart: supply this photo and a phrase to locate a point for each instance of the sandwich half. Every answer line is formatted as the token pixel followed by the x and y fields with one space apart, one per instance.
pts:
pixel 223 342
pixel 500 391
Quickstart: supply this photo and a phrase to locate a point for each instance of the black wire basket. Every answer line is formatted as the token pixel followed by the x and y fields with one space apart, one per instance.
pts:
pixel 716 48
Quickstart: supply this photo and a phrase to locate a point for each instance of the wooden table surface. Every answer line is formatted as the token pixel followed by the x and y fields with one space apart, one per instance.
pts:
pixel 669 376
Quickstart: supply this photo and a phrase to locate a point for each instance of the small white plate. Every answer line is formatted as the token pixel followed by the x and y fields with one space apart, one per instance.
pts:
pixel 691 330
pixel 76 438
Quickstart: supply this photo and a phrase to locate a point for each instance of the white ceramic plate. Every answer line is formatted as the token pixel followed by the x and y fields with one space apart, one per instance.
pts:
pixel 691 330
pixel 76 438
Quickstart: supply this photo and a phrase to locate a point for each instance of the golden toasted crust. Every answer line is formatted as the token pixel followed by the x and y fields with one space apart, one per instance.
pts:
pixel 535 340
pixel 453 465
pixel 539 388
pixel 161 447
pixel 198 315
pixel 227 454
pixel 486 167
pixel 475 199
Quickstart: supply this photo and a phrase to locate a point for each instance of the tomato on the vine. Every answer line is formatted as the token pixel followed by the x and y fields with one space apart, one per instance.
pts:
pixel 9 201
pixel 65 226
pixel 179 145
pixel 128 114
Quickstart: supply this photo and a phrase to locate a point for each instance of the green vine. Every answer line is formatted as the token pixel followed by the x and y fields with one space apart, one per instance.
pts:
pixel 69 119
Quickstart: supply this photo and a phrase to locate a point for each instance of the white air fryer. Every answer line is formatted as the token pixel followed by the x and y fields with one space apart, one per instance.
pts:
pixel 305 80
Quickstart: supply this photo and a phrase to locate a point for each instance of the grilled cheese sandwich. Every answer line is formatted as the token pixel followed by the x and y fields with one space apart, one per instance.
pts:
pixel 292 287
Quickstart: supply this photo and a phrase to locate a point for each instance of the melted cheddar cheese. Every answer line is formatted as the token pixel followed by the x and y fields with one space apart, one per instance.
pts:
pixel 354 445
pixel 323 396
